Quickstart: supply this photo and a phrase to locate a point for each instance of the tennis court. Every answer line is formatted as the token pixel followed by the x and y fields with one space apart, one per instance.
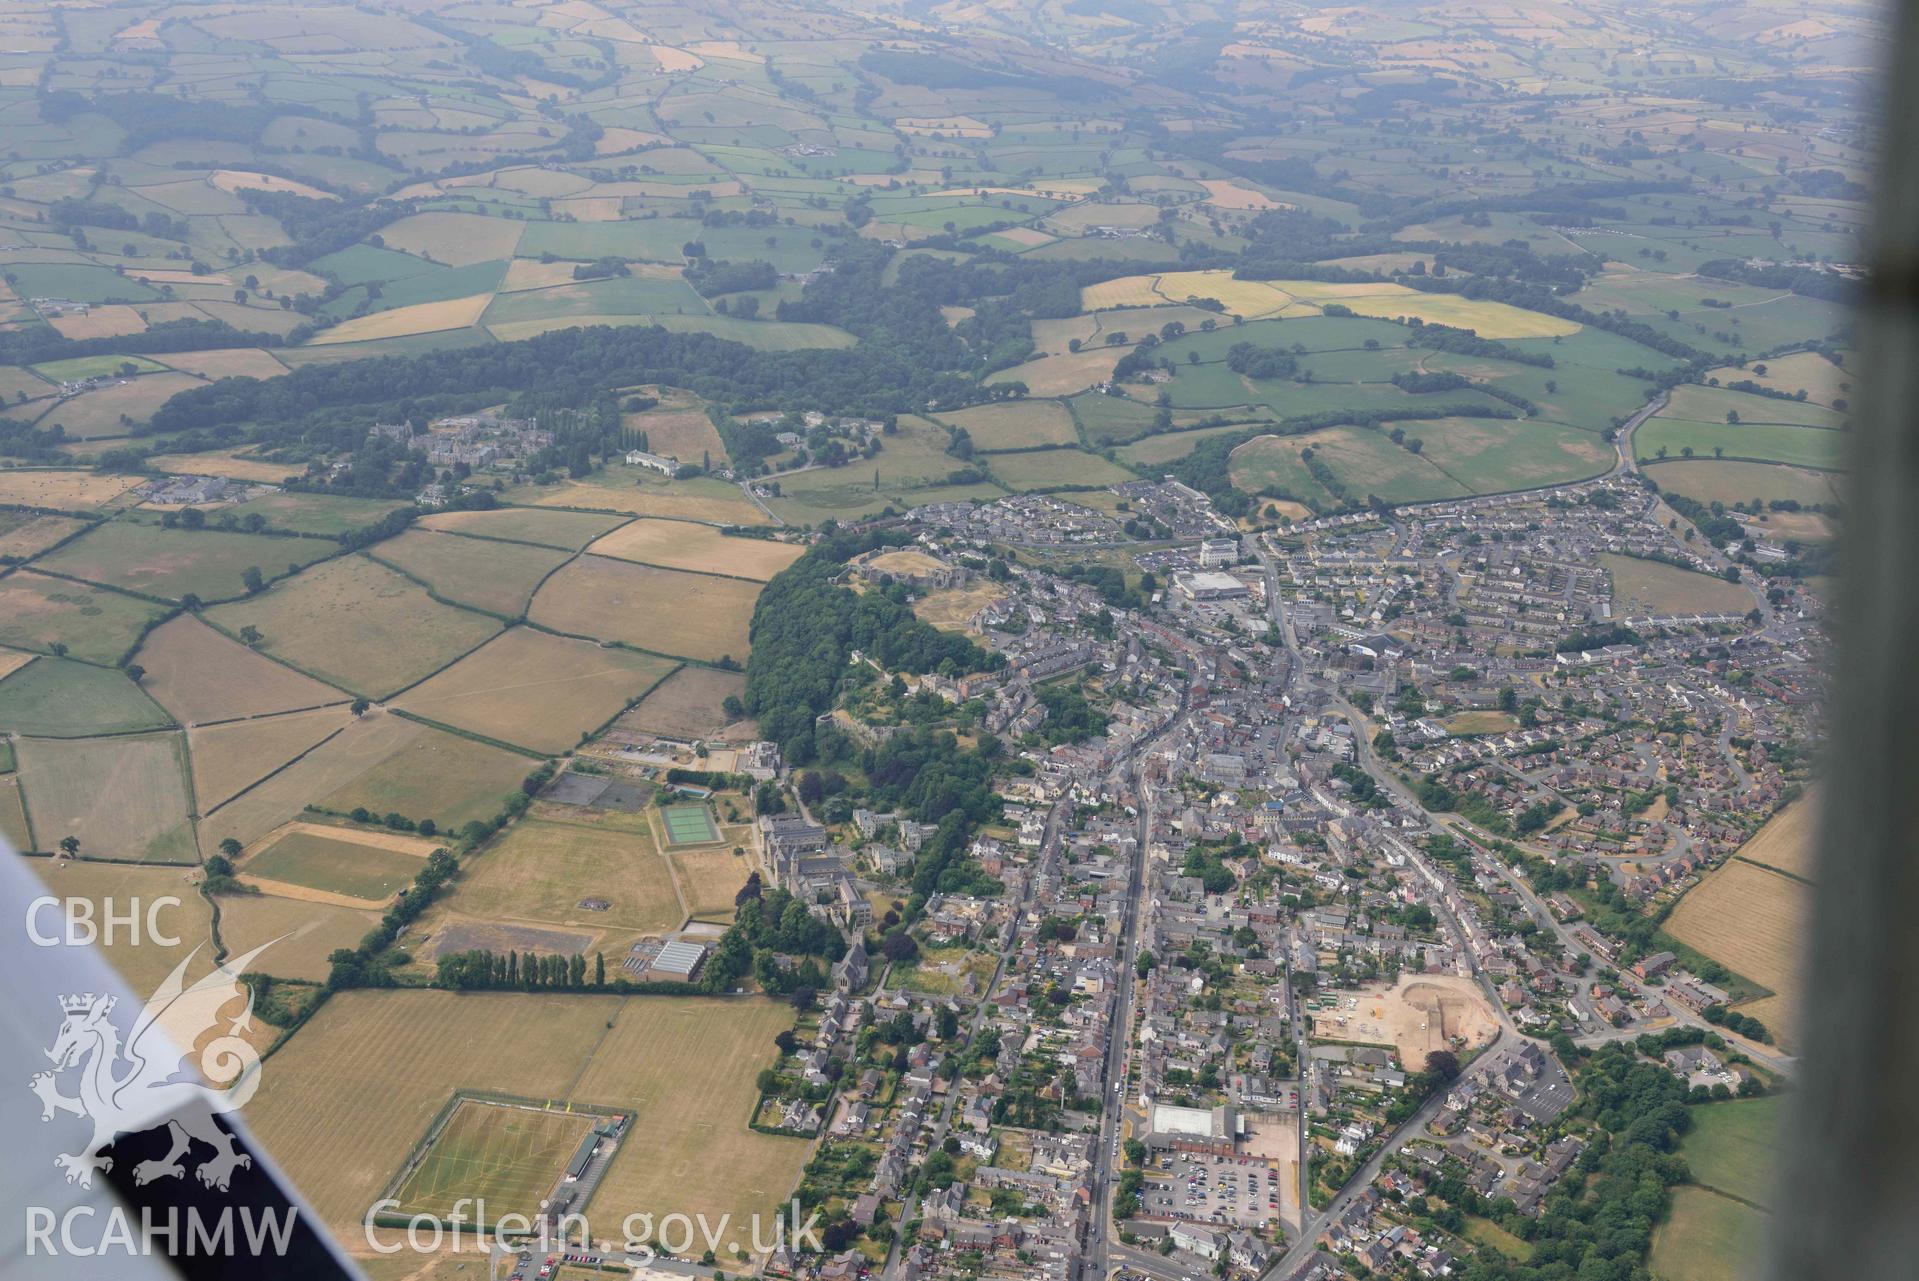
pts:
pixel 689 825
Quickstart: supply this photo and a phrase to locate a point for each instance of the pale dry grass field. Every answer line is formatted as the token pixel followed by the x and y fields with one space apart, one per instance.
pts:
pixel 688 704
pixel 342 1120
pixel 124 797
pixel 538 872
pixel 660 610
pixel 200 675
pixel 534 689
pixel 230 757
pixel 333 765
pixel 144 961
pixel 79 491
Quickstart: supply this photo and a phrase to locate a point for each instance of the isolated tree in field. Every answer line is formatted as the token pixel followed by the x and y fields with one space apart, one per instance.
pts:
pixel 231 847
pixel 359 707
pixel 134 672
pixel 250 635
pixel 70 846
pixel 253 579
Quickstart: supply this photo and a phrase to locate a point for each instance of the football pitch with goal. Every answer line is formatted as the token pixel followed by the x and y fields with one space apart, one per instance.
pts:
pixel 689 825
pixel 510 1157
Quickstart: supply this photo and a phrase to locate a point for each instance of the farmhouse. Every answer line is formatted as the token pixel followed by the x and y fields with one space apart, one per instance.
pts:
pixel 668 467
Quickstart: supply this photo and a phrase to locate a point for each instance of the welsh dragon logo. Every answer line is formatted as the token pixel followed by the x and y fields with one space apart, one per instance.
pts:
pixel 139 1084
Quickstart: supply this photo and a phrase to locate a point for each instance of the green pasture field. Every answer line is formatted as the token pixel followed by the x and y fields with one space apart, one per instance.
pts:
pixel 1708 1237
pixel 175 563
pixel 336 865
pixel 1169 447
pixel 1109 420
pixel 483 574
pixel 57 697
pixel 76 368
pixel 448 778
pixel 39 611
pixel 1712 481
pixel 1491 455
pixel 1055 468
pixel 689 825
pixel 1734 1147
pixel 641 239
pixel 1755 442
pixel 616 296
pixel 78 282
pixel 435 284
pixel 1694 403
pixel 123 797
pixel 1655 587
pixel 510 1157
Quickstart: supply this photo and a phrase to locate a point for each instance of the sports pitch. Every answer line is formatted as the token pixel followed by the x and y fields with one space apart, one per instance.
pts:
pixel 689 825
pixel 507 1155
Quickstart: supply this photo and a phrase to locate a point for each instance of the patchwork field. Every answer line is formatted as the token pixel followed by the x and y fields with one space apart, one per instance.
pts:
pixel 401 322
pixel 357 624
pixel 201 675
pixel 1255 299
pixel 337 862
pixel 568 530
pixel 1041 469
pixel 534 689
pixel 123 797
pixel 494 576
pixel 639 492
pixel 1752 921
pixel 699 549
pixel 303 933
pixel 330 767
pixel 444 777
pixel 342 1121
pixel 38 611
pixel 660 610
pixel 175 563
pixel 1654 587
pixel 232 756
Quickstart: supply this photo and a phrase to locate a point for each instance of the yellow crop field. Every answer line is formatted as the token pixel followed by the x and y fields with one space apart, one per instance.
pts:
pixel 701 549
pixel 420 318
pixel 333 765
pixel 242 180
pixel 661 610
pixel 1256 299
pixel 1786 842
pixel 100 322
pixel 302 933
pixel 1753 921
